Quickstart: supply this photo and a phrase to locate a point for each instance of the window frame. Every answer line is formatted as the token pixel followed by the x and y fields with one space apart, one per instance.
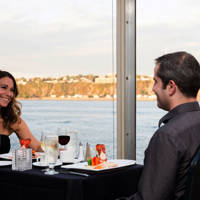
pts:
pixel 126 79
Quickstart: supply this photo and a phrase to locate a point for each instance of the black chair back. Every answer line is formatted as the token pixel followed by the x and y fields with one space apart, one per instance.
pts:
pixel 193 184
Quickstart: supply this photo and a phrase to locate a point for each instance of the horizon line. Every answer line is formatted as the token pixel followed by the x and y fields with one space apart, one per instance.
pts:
pixel 106 74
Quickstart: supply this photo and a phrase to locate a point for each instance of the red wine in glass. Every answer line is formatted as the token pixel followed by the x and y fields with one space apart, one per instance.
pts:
pixel 63 139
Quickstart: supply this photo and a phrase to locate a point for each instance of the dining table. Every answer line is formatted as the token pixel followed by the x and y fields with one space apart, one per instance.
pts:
pixel 68 184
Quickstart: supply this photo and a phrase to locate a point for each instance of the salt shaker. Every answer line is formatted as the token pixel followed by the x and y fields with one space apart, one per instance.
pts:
pixel 81 153
pixel 88 152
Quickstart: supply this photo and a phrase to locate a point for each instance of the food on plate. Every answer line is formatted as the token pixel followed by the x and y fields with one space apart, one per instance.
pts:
pixel 101 149
pixel 35 154
pixel 95 161
pixel 100 160
pixel 105 165
pixel 25 142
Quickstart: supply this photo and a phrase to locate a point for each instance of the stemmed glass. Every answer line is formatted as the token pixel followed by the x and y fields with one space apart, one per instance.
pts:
pixel 51 150
pixel 42 141
pixel 63 140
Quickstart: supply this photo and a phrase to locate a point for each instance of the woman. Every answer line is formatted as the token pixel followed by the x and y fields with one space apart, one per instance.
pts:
pixel 10 111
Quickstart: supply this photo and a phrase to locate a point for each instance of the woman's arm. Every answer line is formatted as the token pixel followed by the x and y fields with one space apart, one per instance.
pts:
pixel 23 132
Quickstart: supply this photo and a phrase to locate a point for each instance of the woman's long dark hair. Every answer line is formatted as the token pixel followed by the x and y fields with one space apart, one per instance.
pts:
pixel 11 113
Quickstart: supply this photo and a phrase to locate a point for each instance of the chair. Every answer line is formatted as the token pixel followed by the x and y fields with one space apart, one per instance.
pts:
pixel 193 182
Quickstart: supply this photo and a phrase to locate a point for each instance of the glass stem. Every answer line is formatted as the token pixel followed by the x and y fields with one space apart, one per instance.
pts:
pixel 51 166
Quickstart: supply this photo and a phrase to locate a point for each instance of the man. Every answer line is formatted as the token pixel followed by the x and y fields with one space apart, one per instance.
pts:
pixel 169 153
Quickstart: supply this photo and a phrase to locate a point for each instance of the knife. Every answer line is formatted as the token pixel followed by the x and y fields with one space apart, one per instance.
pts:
pixel 78 173
pixel 74 173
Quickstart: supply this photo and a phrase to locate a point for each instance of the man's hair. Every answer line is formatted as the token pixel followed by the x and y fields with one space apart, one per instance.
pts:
pixel 183 69
pixel 11 113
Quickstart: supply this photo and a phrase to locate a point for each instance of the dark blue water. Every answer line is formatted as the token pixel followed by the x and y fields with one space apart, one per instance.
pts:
pixel 95 121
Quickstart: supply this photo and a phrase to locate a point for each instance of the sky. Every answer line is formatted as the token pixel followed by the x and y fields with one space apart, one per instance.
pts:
pixel 166 27
pixel 55 38
pixel 67 37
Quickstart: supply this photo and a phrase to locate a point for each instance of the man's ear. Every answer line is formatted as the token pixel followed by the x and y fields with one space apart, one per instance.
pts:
pixel 172 87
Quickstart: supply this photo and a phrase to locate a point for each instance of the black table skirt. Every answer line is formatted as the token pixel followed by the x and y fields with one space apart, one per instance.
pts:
pixel 33 184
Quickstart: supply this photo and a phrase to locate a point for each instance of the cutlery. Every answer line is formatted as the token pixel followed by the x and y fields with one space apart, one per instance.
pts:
pixel 75 173
pixel 78 173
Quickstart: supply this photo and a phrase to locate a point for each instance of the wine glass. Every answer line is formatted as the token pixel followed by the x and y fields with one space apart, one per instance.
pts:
pixel 63 139
pixel 51 150
pixel 42 141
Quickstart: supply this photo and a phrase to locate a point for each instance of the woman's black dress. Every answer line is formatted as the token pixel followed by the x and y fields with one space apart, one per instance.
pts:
pixel 4 144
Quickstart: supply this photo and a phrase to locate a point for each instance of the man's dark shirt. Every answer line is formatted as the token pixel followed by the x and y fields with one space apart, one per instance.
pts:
pixel 169 153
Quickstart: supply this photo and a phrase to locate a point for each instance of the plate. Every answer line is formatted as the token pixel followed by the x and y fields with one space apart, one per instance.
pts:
pixel 73 161
pixel 84 166
pixel 8 156
pixel 5 163
pixel 38 164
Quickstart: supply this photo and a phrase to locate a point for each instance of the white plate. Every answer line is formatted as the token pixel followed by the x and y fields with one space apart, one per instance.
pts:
pixel 6 156
pixel 38 164
pixel 71 161
pixel 9 155
pixel 5 163
pixel 84 165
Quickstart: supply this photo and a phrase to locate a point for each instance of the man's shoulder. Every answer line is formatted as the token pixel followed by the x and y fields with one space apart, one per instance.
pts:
pixel 181 124
pixel 186 119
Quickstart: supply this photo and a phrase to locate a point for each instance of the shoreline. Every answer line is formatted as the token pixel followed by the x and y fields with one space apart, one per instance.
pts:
pixel 67 99
pixel 84 99
pixel 79 99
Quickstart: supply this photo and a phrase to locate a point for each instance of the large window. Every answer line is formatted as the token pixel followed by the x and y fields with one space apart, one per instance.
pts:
pixel 63 52
pixel 162 27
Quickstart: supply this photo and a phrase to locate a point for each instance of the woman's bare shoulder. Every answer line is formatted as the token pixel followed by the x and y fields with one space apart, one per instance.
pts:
pixel 16 126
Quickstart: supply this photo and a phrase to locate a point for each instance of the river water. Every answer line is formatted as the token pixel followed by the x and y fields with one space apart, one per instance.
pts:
pixel 94 121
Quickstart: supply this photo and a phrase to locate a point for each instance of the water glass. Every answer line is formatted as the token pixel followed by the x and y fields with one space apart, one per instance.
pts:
pixel 73 143
pixel 42 159
pixel 51 150
pixel 67 156
pixel 22 159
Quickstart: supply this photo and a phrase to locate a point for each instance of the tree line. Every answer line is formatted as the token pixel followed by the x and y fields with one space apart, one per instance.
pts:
pixel 40 87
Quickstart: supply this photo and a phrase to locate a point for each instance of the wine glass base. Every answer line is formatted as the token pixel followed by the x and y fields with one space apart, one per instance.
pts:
pixel 51 172
pixel 45 170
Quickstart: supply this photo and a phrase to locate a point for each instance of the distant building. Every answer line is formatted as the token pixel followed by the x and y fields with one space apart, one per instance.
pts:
pixel 51 81
pixel 143 78
pixel 72 81
pixel 106 79
pixel 77 96
pixel 85 80
pixel 96 96
pixel 21 82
